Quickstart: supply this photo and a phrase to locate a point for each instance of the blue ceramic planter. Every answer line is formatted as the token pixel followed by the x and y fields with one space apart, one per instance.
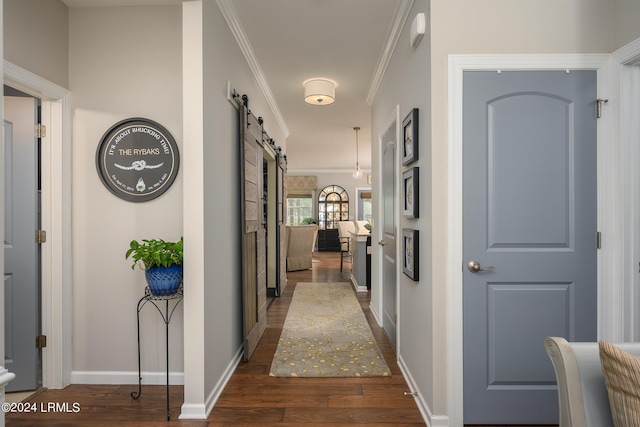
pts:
pixel 164 281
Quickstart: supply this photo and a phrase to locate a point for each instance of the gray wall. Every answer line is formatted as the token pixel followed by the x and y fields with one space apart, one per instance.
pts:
pixel 2 205
pixel 625 25
pixel 407 83
pixel 420 79
pixel 95 52
pixel 223 61
pixel 490 27
pixel 123 62
pixel 37 38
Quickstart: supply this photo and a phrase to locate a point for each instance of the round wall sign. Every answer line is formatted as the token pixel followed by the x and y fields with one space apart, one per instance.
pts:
pixel 137 159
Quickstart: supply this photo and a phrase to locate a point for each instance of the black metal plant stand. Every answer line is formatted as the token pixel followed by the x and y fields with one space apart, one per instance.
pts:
pixel 166 317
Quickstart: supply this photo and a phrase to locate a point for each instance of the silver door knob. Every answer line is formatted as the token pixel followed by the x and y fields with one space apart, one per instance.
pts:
pixel 381 242
pixel 474 267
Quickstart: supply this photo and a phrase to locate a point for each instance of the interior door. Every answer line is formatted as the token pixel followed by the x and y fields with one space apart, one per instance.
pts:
pixel 529 231
pixel 254 275
pixel 281 213
pixel 22 275
pixel 389 265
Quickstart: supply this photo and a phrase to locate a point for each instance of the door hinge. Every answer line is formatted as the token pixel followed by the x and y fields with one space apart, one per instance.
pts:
pixel 41 341
pixel 598 240
pixel 599 103
pixel 41 237
pixel 40 130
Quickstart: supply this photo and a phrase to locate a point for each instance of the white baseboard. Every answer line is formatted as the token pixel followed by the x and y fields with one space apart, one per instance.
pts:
pixel 429 419
pixel 356 286
pixel 126 377
pixel 214 395
pixel 375 314
pixel 193 411
pixel 189 411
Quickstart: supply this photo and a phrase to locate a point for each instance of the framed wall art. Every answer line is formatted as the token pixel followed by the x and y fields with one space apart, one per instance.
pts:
pixel 410 193
pixel 410 253
pixel 410 137
pixel 137 159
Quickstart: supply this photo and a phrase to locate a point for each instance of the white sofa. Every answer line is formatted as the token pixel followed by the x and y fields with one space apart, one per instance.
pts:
pixel 582 394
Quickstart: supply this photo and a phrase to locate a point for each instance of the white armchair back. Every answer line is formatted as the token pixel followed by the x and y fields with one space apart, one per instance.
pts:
pixel 345 228
pixel 301 240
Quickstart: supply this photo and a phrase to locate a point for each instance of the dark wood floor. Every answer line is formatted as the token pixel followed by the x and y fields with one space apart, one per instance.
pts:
pixel 251 398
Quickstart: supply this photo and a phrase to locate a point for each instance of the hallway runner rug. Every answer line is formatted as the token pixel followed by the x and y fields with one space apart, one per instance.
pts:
pixel 326 334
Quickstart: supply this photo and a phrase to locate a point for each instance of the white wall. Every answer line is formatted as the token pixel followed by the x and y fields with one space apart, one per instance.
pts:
pixel 123 62
pixel 36 38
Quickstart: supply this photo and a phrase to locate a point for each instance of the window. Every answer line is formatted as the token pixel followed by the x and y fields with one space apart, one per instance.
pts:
pixel 299 209
pixel 333 206
pixel 365 207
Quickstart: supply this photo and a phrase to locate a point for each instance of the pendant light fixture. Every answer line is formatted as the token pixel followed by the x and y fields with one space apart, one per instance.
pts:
pixel 357 173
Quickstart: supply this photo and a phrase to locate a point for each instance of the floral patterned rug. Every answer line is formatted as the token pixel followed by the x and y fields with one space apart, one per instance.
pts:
pixel 326 334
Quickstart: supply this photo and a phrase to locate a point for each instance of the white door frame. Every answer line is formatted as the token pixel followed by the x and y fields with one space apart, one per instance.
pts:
pixel 377 306
pixel 626 81
pixel 609 201
pixel 56 221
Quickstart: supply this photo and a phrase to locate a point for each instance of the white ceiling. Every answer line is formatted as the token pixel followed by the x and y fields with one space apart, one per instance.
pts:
pixel 294 40
pixel 114 3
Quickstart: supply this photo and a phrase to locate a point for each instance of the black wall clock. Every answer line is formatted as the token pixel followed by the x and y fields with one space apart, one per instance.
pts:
pixel 137 159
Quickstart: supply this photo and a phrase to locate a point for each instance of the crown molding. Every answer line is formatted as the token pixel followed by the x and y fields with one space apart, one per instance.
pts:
pixel 400 18
pixel 628 54
pixel 303 171
pixel 235 26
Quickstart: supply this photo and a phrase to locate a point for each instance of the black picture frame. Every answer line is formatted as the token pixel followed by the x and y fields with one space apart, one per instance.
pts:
pixel 410 253
pixel 410 137
pixel 410 193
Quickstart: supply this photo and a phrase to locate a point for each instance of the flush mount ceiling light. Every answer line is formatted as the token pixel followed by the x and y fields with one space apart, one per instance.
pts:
pixel 319 91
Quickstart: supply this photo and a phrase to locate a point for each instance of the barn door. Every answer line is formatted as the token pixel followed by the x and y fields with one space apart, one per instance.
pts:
pixel 254 277
pixel 281 167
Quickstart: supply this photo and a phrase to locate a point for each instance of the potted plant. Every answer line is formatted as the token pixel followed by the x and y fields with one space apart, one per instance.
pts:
pixel 161 262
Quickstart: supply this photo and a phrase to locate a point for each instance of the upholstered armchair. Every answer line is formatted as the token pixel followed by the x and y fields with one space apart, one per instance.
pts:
pixel 345 228
pixel 301 240
pixel 582 390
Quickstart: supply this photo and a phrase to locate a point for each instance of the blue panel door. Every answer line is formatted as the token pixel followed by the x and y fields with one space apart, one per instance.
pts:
pixel 389 228
pixel 21 277
pixel 529 225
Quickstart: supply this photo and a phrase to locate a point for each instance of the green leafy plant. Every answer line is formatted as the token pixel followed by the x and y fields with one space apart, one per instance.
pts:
pixel 155 252
pixel 309 221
